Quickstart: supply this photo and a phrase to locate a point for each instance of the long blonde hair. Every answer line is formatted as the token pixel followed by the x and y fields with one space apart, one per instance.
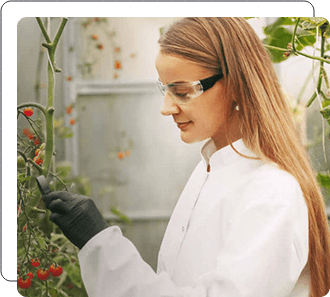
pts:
pixel 230 45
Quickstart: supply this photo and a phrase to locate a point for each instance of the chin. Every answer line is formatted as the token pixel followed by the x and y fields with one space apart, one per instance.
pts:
pixel 190 138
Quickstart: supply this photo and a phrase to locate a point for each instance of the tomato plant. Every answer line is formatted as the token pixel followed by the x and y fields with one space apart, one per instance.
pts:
pixel 42 249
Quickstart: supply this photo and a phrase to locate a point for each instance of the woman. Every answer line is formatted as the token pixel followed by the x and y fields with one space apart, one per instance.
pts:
pixel 251 219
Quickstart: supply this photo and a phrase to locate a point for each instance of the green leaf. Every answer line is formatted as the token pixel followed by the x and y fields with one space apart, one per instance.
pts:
pixel 324 180
pixel 326 112
pixel 270 28
pixel 120 215
pixel 279 34
pixel 53 293
pixel 305 40
pixel 22 178
pixel 315 21
pixel 73 272
pixel 280 37
pixel 55 237
pixel 42 243
pixel 325 103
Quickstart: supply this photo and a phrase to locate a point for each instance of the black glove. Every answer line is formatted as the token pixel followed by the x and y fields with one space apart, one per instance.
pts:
pixel 76 215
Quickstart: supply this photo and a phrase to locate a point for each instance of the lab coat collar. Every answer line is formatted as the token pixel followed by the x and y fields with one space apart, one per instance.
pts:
pixel 225 155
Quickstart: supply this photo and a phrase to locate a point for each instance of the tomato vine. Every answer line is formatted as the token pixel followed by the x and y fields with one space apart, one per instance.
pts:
pixel 42 250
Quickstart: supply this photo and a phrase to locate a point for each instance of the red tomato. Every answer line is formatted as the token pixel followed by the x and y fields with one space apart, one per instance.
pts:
pixel 120 155
pixel 55 270
pixel 42 274
pixel 28 111
pixel 30 275
pixel 24 284
pixel 26 131
pixel 35 262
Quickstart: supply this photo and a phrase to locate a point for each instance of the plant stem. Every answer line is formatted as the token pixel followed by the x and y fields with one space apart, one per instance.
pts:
pixel 276 48
pixel 299 53
pixel 60 31
pixel 43 30
pixel 28 104
pixel 40 170
pixel 322 60
pixel 319 82
pixel 49 112
pixel 294 35
pixel 49 149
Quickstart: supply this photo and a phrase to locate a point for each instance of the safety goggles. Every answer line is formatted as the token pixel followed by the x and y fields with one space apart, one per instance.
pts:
pixel 184 92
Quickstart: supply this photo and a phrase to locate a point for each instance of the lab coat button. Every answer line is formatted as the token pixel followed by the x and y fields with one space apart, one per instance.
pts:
pixel 182 228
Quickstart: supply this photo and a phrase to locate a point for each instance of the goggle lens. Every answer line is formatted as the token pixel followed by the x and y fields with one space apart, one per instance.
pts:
pixel 182 93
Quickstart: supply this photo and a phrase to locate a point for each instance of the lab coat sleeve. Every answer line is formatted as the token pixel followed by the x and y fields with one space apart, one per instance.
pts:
pixel 112 266
pixel 266 249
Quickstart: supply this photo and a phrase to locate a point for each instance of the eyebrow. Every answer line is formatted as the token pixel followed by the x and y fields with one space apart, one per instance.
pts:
pixel 177 82
pixel 181 82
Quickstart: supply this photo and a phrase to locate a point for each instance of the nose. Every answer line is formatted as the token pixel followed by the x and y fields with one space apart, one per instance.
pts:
pixel 169 106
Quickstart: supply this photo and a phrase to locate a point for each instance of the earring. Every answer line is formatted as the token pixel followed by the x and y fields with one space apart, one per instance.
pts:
pixel 237 107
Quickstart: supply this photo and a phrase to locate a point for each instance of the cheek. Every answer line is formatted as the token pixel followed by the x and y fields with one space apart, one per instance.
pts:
pixel 213 115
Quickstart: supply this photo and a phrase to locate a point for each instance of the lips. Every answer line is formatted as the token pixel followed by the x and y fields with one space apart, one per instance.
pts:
pixel 183 125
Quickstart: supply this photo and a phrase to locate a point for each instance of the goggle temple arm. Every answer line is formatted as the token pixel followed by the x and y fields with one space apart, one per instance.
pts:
pixel 208 83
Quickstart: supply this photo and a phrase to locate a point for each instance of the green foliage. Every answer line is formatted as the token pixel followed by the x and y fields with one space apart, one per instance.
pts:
pixel 326 113
pixel 324 180
pixel 125 219
pixel 280 35
pixel 38 238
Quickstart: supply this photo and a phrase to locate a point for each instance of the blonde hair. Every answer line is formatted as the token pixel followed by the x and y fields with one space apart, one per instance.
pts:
pixel 230 45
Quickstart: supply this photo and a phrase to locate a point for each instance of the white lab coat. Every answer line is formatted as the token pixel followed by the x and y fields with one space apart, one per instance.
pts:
pixel 240 230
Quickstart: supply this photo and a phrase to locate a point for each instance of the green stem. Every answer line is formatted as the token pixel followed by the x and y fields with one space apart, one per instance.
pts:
pixel 49 112
pixel 322 60
pixel 294 36
pixel 23 155
pixel 49 149
pixel 60 31
pixel 60 180
pixel 43 30
pixel 38 210
pixel 28 104
pixel 47 288
pixel 40 170
pixel 299 53
pixel 319 82
pixel 276 48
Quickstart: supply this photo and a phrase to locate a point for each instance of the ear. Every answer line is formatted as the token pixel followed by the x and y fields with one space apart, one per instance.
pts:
pixel 235 105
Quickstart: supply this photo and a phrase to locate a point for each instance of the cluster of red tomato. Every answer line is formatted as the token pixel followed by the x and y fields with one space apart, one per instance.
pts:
pixel 28 111
pixel 39 155
pixel 122 155
pixel 69 110
pixel 42 274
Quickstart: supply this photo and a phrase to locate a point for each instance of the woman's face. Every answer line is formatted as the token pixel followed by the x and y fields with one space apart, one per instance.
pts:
pixel 202 117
